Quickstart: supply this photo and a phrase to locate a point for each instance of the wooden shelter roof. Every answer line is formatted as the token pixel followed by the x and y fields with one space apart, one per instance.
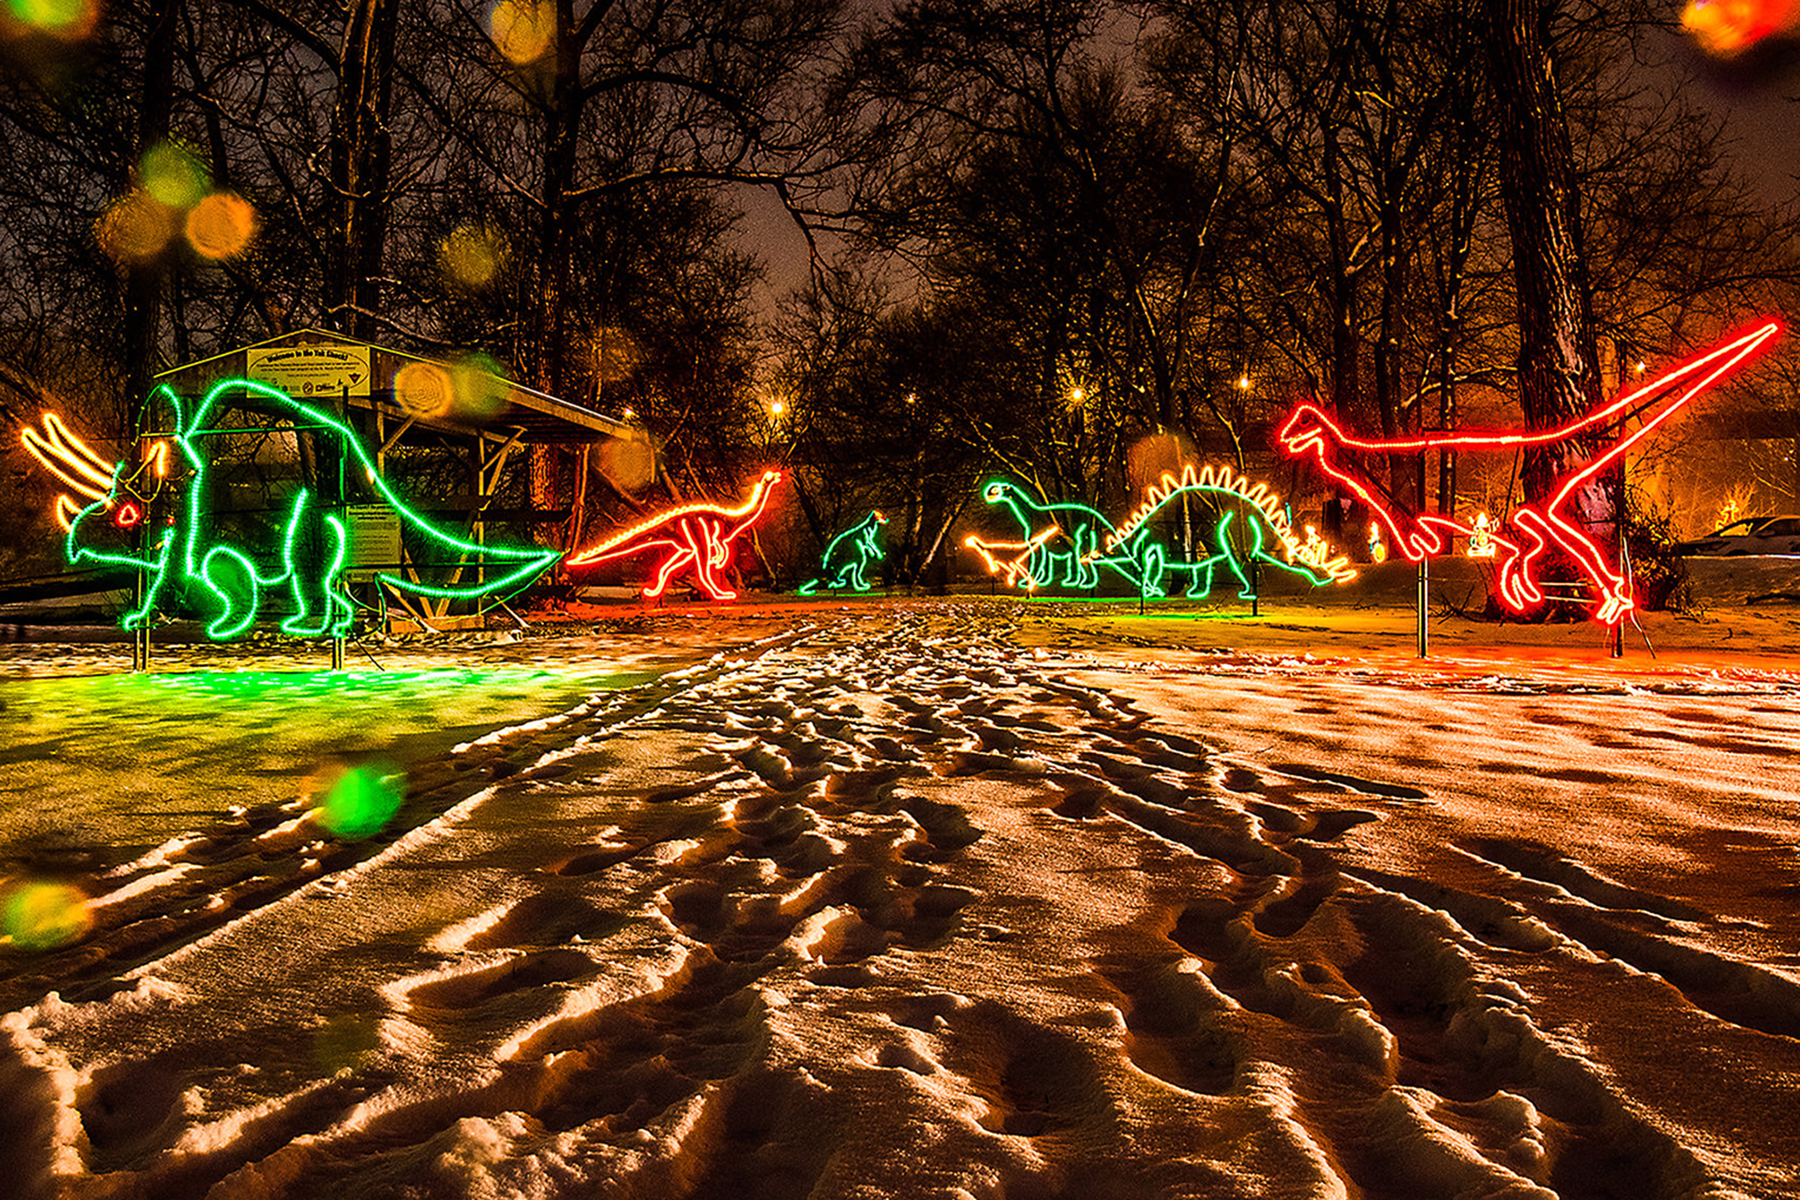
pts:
pixel 311 363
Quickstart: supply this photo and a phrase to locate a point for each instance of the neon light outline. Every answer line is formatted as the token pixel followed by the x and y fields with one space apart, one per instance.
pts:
pixel 1128 550
pixel 1309 430
pixel 1225 481
pixel 696 533
pixel 1080 525
pixel 1016 567
pixel 230 575
pixel 862 550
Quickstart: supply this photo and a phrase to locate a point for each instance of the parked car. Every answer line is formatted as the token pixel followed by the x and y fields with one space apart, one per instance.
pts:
pixel 1752 535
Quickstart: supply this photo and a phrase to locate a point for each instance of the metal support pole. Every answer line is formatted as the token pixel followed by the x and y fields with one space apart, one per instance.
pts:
pixel 140 637
pixel 1618 629
pixel 1619 534
pixel 343 507
pixel 1424 561
pixel 1424 606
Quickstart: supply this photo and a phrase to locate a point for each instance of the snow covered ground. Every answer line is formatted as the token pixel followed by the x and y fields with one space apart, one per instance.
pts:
pixel 961 897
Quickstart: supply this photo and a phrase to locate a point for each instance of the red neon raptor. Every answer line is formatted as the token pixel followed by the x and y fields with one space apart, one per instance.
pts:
pixel 1308 430
pixel 694 535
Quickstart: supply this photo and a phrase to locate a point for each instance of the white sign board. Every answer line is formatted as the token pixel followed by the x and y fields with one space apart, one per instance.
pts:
pixel 304 371
pixel 374 539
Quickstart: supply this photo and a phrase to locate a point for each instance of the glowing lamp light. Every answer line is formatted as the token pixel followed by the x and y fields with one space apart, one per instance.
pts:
pixel 692 537
pixel 1310 432
pixel 127 515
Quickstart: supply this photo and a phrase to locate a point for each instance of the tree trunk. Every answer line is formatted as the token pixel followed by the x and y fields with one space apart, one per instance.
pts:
pixel 1559 367
pixel 361 150
pixel 144 281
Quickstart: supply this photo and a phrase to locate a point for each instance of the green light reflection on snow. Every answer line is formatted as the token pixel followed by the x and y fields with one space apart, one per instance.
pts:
pixel 43 916
pixel 131 760
pixel 363 799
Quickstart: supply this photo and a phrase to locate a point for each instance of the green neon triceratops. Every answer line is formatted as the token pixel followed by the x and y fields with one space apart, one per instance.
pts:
pixel 174 538
pixel 848 556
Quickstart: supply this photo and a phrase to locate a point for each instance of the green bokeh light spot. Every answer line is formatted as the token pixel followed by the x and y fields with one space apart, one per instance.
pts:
pixel 170 174
pixel 359 803
pixel 47 14
pixel 43 916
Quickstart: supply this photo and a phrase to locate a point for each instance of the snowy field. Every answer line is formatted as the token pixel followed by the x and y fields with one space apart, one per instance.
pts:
pixel 920 898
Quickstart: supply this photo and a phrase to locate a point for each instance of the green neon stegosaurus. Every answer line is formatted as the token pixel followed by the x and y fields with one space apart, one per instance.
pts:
pixel 1067 544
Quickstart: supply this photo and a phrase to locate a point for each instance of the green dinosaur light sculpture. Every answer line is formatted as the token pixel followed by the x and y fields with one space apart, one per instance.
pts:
pixel 1066 544
pixel 848 556
pixel 178 549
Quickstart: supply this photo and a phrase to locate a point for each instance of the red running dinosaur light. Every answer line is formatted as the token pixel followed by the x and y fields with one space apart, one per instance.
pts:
pixel 1310 431
pixel 696 536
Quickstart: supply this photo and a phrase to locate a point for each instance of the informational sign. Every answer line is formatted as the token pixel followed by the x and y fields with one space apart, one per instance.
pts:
pixel 374 539
pixel 310 370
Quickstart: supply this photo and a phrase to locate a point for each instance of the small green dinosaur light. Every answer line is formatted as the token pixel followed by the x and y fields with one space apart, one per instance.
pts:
pixel 848 556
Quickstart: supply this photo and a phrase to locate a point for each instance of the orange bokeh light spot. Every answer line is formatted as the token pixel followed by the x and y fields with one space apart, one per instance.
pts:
pixel 522 29
pixel 221 226
pixel 135 228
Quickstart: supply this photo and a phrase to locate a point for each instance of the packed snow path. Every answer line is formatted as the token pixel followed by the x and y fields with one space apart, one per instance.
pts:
pixel 903 904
